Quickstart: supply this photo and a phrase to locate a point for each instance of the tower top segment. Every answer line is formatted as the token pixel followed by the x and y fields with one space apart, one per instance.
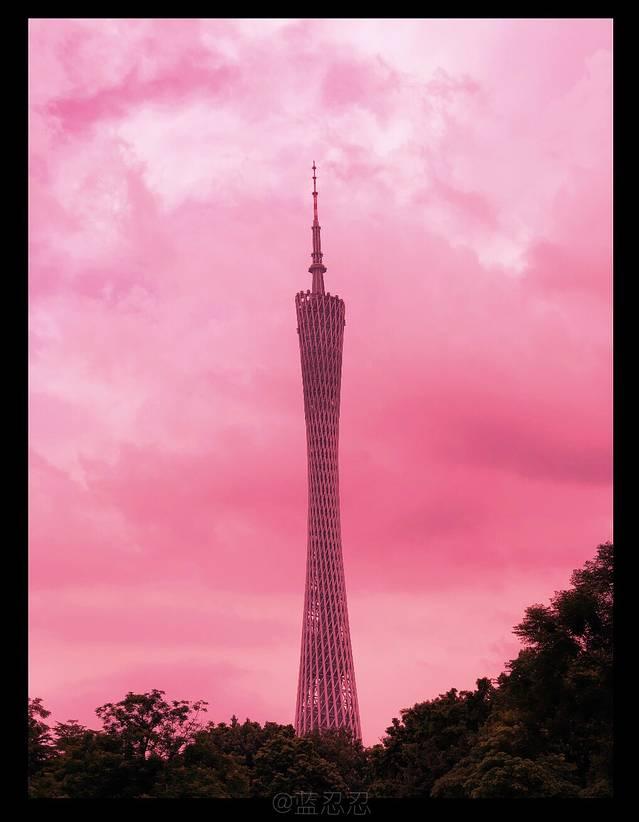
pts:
pixel 315 220
pixel 317 268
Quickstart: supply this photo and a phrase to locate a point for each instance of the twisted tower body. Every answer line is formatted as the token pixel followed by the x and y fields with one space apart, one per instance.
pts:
pixel 326 695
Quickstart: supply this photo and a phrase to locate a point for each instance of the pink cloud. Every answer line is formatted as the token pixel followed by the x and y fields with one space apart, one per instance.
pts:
pixel 465 199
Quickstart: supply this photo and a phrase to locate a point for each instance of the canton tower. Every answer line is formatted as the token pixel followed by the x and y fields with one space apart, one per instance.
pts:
pixel 326 694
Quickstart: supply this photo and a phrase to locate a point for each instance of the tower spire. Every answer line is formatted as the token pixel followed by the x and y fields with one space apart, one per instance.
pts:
pixel 317 268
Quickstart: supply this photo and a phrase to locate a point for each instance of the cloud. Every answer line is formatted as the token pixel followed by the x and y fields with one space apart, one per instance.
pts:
pixel 465 193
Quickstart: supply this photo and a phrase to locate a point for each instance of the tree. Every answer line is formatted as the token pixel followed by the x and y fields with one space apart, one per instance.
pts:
pixel 92 765
pixel 561 682
pixel 147 725
pixel 502 776
pixel 291 765
pixel 347 753
pixel 39 748
pixel 507 762
pixel 550 731
pixel 428 741
pixel 127 758
pixel 246 739
pixel 203 771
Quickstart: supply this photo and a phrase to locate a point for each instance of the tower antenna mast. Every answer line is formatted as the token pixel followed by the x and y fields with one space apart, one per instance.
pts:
pixel 317 268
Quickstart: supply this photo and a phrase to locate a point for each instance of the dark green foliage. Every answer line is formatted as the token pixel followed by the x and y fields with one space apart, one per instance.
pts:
pixel 503 776
pixel 508 761
pixel 550 732
pixel 329 762
pixel 544 731
pixel 430 738
pixel 38 736
pixel 148 726
pixel 347 754
pixel 561 683
pixel 204 772
pixel 244 740
pixel 127 758
pixel 92 765
pixel 293 764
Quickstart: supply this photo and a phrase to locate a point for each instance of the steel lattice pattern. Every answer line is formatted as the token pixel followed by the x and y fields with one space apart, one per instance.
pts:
pixel 326 695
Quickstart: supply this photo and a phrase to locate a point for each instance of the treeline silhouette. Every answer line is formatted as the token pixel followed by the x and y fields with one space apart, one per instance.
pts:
pixel 542 729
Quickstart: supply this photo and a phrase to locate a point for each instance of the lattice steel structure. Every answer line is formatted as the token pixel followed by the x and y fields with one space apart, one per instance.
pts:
pixel 326 694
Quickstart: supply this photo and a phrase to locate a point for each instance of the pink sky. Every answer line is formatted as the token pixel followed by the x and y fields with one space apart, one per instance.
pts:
pixel 465 202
